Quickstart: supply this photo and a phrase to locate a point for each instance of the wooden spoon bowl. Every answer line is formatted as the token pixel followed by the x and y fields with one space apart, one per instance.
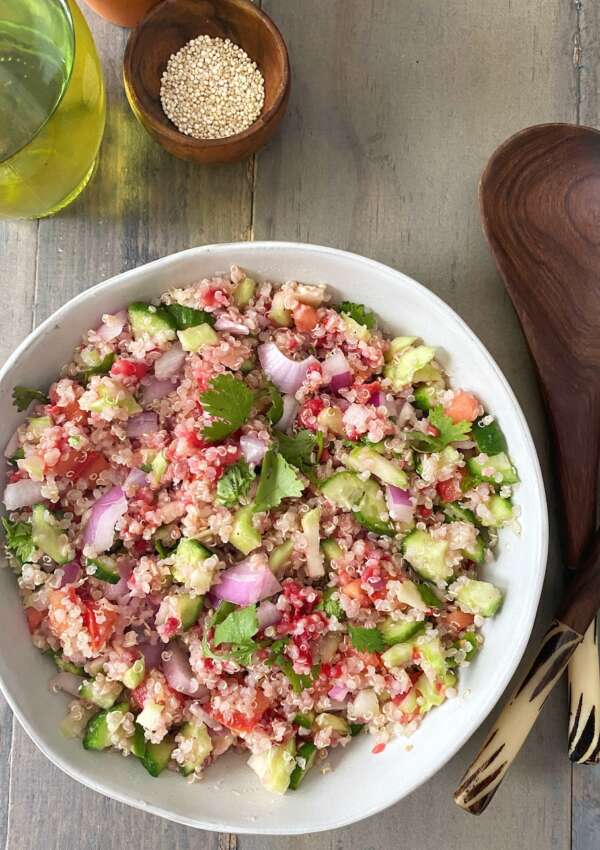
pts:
pixel 540 203
pixel 164 31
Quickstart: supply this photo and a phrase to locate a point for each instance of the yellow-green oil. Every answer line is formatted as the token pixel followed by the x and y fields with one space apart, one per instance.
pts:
pixel 52 106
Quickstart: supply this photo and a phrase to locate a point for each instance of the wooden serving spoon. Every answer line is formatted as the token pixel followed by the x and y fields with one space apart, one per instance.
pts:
pixel 540 204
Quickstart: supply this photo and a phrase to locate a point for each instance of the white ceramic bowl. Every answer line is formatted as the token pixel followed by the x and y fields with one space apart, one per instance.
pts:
pixel 361 784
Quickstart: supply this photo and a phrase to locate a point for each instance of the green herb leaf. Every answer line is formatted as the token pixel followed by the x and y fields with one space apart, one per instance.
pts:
pixel 450 432
pixel 234 484
pixel 188 317
pixel 18 539
pixel 18 455
pixel 428 596
pixel 356 729
pixel 23 396
pixel 366 640
pixel 238 627
pixel 275 411
pixel 330 605
pixel 278 481
pixel 298 681
pixel 102 368
pixel 230 401
pixel 359 313
pixel 298 449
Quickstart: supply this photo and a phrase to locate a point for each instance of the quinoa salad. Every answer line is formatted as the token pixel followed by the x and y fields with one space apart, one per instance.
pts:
pixel 243 518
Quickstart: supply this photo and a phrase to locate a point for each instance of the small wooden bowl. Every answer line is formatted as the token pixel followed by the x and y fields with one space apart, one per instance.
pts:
pixel 165 30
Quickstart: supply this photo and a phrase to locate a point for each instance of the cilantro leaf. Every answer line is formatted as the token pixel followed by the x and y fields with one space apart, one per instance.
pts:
pixel 278 481
pixel 238 627
pixel 18 455
pixel 23 396
pixel 450 432
pixel 230 401
pixel 358 312
pixel 223 611
pixel 234 484
pixel 298 681
pixel 188 317
pixel 298 449
pixel 366 640
pixel 18 539
pixel 332 606
pixel 101 368
pixel 275 412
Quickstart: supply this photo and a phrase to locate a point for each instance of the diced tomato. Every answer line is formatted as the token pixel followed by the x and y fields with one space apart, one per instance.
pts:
pixel 34 618
pixel 71 411
pixel 100 623
pixel 424 511
pixel 378 748
pixel 355 591
pixel 60 602
pixel 457 620
pixel 371 659
pixel 242 723
pixel 79 464
pixel 309 412
pixel 123 368
pixel 449 491
pixel 305 317
pixel 463 406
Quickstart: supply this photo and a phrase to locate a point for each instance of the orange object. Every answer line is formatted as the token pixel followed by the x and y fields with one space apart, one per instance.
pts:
pixel 463 407
pixel 305 317
pixel 34 618
pixel 100 623
pixel 242 723
pixel 125 13
pixel 458 620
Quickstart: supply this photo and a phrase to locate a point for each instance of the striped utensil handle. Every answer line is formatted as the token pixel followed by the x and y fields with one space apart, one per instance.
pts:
pixel 584 700
pixel 487 771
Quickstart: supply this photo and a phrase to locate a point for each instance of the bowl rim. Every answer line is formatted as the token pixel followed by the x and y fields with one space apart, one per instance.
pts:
pixel 497 685
pixel 166 129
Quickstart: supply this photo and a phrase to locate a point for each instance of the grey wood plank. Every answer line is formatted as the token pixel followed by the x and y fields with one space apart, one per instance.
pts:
pixel 586 57
pixel 141 204
pixel 17 282
pixel 395 108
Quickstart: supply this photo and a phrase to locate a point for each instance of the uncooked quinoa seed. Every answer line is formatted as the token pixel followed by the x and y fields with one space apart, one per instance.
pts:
pixel 211 89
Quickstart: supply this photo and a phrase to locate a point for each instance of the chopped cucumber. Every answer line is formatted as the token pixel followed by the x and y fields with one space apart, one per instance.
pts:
pixel 401 370
pixel 399 344
pixel 409 704
pixel 67 666
pixel 38 424
pixel 501 512
pixel 348 491
pixel 274 767
pixel 477 597
pixel 158 467
pixel 425 398
pixel 135 674
pixel 199 747
pixel 314 558
pixel 365 459
pixel 429 374
pixel 188 608
pixel 49 537
pixel 398 655
pixel 189 569
pixel 476 552
pixel 429 596
pixel 147 320
pixel 502 470
pixel 305 719
pixel 111 395
pixel 194 338
pixel 157 756
pixel 427 556
pixel 455 513
pixel 102 693
pixel 344 489
pixel 355 330
pixel 372 510
pixel 97 735
pixel 105 569
pixel 409 594
pixel 244 536
pixel 138 744
pixel 428 695
pixel 305 758
pixel 470 638
pixel 280 556
pixel 331 550
pixel 278 313
pixel 400 631
pixel 188 317
pixel 244 292
pixel 432 653
pixel 489 438
pixel 332 721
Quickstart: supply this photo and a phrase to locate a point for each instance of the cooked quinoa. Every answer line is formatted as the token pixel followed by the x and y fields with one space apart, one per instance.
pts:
pixel 242 517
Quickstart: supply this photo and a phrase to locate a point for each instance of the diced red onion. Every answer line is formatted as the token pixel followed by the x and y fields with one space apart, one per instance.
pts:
pixel 71 573
pixel 153 389
pixel 117 591
pixel 22 494
pixel 379 400
pixel 170 363
pixel 100 528
pixel 268 614
pixel 152 654
pixel 399 503
pixel 67 682
pixel 337 372
pixel 135 478
pixel 235 328
pixel 253 448
pixel 142 423
pixel 12 445
pixel 249 581
pixel 290 407
pixel 287 375
pixel 178 672
pixel 111 330
pixel 338 693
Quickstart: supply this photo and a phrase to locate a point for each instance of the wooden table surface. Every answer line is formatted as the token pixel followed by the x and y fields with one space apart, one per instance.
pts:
pixel 396 106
